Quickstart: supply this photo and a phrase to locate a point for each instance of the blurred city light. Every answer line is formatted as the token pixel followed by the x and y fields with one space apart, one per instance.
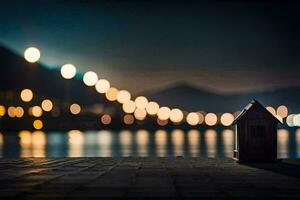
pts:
pixel 163 113
pixel 2 111
pixel 140 114
pixel 227 119
pixel 37 111
pixel 102 86
pixel 152 108
pixel 26 95
pixel 111 94
pixel 11 111
pixel 141 102
pixel 19 112
pixel 128 119
pixel 68 71
pixel 32 54
pixel 75 109
pixel 123 96
pixel 271 110
pixel 211 119
pixel 192 118
pixel 37 124
pixel 47 105
pixel 282 111
pixel 106 119
pixel 129 107
pixel 90 78
pixel 176 115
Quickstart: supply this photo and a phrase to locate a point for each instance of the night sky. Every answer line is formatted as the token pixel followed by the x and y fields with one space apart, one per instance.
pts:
pixel 223 46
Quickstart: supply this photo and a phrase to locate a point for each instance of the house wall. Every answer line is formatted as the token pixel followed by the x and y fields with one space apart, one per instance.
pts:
pixel 257 137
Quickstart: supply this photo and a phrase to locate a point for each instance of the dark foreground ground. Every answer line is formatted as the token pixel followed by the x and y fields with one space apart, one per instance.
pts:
pixel 145 178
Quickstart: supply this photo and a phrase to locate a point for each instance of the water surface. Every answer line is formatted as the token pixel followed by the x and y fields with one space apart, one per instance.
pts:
pixel 161 143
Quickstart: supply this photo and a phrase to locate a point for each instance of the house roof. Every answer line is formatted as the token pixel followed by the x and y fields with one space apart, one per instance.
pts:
pixel 248 107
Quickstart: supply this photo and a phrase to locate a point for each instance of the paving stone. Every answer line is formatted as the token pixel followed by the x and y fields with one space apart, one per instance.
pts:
pixel 147 178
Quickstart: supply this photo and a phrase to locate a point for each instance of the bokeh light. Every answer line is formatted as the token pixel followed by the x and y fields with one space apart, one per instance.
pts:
pixel 37 111
pixel 271 110
pixel 141 102
pixel 19 112
pixel 90 78
pixel 140 114
pixel 68 71
pixel 47 105
pixel 26 95
pixel 162 122
pixel 2 111
pixel 32 54
pixel 152 108
pixel 11 111
pixel 106 119
pixel 37 124
pixel 296 120
pixel 290 120
pixel 123 96
pixel 163 113
pixel 201 117
pixel 111 94
pixel 129 107
pixel 128 119
pixel 211 119
pixel 102 86
pixel 282 111
pixel 227 119
pixel 176 115
pixel 75 109
pixel 192 118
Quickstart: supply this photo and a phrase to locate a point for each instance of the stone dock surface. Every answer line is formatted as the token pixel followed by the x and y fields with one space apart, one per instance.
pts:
pixel 147 178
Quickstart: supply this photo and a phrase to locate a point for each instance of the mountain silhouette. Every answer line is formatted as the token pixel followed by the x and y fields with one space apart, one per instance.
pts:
pixel 192 98
pixel 17 74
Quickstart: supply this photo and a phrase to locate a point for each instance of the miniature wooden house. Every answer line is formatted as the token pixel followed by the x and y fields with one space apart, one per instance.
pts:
pixel 256 134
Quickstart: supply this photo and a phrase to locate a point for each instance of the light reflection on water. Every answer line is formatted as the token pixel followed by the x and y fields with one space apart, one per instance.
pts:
pixel 161 143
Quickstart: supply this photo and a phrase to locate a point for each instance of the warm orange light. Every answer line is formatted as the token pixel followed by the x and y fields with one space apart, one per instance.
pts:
pixel 192 118
pixel 2 111
pixel 25 138
pixel 152 108
pixel 201 117
pixel 111 94
pixel 129 107
pixel 102 86
pixel 128 119
pixel 47 105
pixel 75 109
pixel 11 111
pixel 68 71
pixel 141 102
pixel 163 113
pixel 106 119
pixel 26 95
pixel 282 111
pixel 37 124
pixel 161 122
pixel 32 54
pixel 227 119
pixel 123 96
pixel 211 119
pixel 19 112
pixel 271 110
pixel 140 114
pixel 37 111
pixel 90 78
pixel 176 115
